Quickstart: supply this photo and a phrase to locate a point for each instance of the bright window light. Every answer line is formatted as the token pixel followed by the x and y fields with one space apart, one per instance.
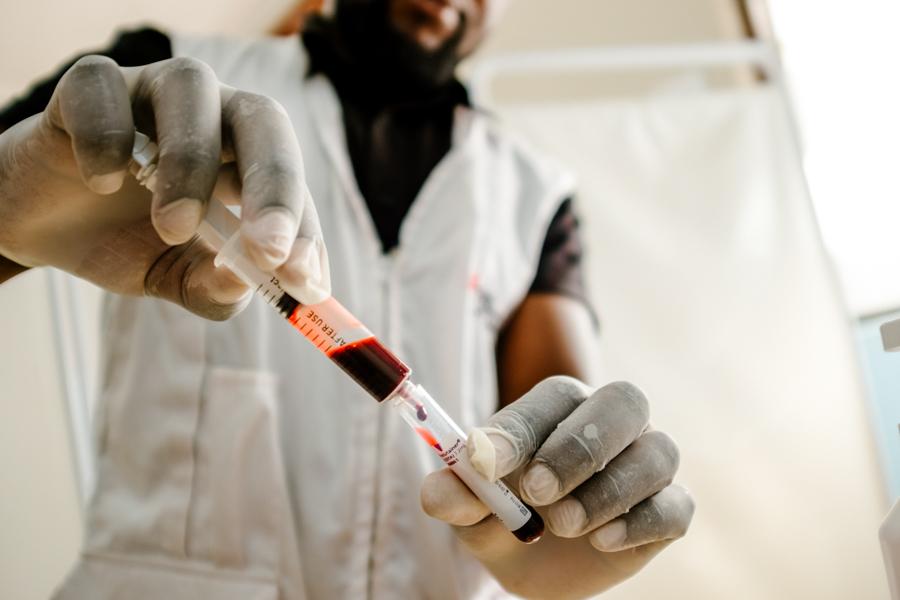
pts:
pixel 842 63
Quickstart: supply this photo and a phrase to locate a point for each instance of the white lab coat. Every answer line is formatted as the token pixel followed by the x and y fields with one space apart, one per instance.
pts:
pixel 237 462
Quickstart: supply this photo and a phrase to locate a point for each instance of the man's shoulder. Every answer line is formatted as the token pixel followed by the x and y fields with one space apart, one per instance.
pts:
pixel 515 145
pixel 129 48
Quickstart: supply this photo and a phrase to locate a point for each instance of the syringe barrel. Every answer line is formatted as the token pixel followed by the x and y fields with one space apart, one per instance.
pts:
pixel 330 327
pixel 231 256
pixel 428 419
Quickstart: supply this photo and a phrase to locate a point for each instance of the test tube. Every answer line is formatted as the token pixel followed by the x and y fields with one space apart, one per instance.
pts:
pixel 340 336
pixel 428 419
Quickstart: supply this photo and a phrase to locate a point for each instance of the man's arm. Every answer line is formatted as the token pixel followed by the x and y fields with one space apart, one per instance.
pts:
pixel 554 330
pixel 587 457
pixel 550 334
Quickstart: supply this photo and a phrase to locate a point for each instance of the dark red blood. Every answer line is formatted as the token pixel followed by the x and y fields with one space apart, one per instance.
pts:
pixel 372 366
pixel 532 530
pixel 420 412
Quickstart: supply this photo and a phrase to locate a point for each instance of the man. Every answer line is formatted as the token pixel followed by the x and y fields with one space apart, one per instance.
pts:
pixel 234 462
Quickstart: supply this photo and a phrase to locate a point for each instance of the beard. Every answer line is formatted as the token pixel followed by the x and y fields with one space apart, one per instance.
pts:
pixel 362 33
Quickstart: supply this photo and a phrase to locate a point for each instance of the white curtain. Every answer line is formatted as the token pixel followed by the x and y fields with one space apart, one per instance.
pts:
pixel 715 296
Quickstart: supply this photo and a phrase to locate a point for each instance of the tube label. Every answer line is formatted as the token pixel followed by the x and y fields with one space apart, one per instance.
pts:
pixel 328 325
pixel 505 505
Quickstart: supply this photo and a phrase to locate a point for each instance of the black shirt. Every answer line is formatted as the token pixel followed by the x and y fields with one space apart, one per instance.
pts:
pixel 394 143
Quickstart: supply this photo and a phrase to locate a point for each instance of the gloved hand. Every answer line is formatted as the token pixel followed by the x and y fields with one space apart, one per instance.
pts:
pixel 67 199
pixel 603 481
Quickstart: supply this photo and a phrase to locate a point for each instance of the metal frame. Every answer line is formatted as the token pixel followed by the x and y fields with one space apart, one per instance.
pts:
pixel 627 58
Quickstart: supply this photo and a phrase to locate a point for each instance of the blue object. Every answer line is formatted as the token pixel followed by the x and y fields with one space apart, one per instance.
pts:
pixel 882 373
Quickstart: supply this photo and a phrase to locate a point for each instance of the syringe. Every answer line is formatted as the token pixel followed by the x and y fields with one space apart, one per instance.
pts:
pixel 340 336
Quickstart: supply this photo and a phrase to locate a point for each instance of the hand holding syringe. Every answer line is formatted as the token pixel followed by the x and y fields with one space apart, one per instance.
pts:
pixel 347 342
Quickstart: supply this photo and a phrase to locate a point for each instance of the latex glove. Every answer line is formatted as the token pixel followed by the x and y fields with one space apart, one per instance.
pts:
pixel 602 478
pixel 67 199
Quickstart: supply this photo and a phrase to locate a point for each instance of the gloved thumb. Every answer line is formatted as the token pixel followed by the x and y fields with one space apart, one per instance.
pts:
pixel 445 497
pixel 513 435
pixel 492 451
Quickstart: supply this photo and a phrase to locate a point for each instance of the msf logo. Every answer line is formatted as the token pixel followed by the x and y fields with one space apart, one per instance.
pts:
pixel 484 302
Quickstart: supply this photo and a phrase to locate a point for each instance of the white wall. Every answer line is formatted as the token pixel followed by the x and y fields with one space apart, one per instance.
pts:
pixel 36 36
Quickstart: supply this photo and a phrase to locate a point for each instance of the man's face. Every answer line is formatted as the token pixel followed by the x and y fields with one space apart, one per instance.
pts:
pixel 420 40
pixel 431 24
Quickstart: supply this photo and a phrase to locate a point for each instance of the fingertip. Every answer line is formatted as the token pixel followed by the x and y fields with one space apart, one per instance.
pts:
pixel 627 390
pixel 188 277
pixel 688 499
pixel 307 258
pixel 611 537
pixel 429 494
pixel 176 222
pixel 540 484
pixel 269 238
pixel 102 155
pixel 444 497
pixel 482 453
pixel 324 281
pixel 91 104
pixel 305 274
pixel 214 310
pixel 567 518
pixel 107 183
pixel 493 451
pixel 230 290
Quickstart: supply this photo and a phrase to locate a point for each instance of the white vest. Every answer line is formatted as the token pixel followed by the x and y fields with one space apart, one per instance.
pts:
pixel 235 461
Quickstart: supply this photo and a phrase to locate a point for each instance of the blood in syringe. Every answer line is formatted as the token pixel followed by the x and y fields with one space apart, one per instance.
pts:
pixel 372 365
pixel 367 361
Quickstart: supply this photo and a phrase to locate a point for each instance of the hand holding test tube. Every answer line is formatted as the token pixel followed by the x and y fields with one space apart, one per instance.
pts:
pixel 345 340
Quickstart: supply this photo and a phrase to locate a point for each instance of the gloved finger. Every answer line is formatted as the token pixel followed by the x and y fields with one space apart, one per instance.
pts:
pixel 488 540
pixel 445 497
pixel 595 433
pixel 91 104
pixel 306 273
pixel 513 434
pixel 183 95
pixel 663 516
pixel 644 468
pixel 228 185
pixel 186 275
pixel 272 178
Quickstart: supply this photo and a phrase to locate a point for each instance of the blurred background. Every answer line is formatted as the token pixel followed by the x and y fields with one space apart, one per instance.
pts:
pixel 736 163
